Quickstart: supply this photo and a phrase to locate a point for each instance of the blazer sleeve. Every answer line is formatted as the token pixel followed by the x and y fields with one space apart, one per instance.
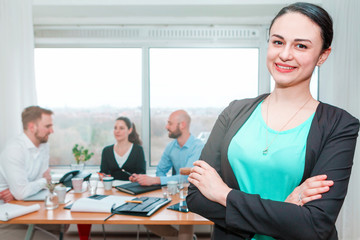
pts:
pixel 336 136
pixel 211 153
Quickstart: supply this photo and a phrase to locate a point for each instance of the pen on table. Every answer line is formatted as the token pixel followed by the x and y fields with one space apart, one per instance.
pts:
pixel 102 175
pixel 109 216
pixel 126 172
pixel 134 201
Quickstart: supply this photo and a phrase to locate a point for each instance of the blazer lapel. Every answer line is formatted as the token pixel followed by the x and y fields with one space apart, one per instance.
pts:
pixel 239 117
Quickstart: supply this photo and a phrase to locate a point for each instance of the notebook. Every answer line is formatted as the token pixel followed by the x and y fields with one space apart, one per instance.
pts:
pixel 119 205
pixel 146 208
pixel 98 203
pixel 135 188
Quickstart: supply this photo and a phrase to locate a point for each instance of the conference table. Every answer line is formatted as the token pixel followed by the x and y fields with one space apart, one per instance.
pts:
pixel 62 216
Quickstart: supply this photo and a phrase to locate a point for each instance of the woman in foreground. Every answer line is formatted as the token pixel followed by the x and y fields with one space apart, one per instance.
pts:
pixel 278 166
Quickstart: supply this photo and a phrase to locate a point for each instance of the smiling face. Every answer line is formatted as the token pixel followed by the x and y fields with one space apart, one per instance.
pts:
pixel 295 49
pixel 121 131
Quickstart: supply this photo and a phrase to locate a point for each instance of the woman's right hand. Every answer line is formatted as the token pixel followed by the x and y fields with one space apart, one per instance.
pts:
pixel 309 190
pixel 102 175
pixel 133 177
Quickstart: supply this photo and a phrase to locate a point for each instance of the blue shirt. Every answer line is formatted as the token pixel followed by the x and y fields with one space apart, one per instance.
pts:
pixel 177 157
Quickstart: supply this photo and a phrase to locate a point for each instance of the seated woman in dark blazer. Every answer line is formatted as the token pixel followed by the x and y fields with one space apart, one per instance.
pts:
pixel 126 155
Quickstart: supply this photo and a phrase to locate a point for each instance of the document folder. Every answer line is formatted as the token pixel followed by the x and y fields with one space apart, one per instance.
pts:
pixel 146 208
pixel 141 206
pixel 135 188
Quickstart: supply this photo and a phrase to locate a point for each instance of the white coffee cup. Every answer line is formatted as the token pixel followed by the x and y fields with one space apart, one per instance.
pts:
pixel 61 192
pixel 172 187
pixel 77 184
pixel 107 181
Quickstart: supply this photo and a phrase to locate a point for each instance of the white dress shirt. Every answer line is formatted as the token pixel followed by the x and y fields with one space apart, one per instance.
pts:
pixel 22 166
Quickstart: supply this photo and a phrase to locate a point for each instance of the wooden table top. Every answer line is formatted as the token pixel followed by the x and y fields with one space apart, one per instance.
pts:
pixel 63 216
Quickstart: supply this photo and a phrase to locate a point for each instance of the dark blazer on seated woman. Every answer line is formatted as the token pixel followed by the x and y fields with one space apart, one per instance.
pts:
pixel 134 164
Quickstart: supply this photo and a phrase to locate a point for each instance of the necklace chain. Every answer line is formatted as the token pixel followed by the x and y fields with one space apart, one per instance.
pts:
pixel 266 150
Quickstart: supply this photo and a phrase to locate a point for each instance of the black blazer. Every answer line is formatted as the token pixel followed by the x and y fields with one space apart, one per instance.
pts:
pixel 329 150
pixel 134 164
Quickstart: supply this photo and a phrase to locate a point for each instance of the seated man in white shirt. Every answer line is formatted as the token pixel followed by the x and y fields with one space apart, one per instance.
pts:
pixel 24 163
pixel 24 166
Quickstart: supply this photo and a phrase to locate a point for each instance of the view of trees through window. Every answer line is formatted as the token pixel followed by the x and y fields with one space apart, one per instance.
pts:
pixel 202 81
pixel 88 88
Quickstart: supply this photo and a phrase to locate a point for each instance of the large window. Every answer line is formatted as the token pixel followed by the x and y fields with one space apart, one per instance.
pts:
pixel 87 88
pixel 201 81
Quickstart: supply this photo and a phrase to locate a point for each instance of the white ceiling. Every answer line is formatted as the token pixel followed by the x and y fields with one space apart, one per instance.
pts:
pixel 140 12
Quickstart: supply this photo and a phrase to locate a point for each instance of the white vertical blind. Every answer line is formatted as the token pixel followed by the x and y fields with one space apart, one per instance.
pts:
pixel 340 86
pixel 17 85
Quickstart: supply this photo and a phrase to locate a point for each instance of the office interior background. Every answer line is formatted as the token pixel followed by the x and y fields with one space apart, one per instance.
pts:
pixel 91 61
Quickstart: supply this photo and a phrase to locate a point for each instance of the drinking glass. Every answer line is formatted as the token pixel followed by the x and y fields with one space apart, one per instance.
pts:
pixel 166 193
pixel 184 191
pixel 51 200
pixel 93 183
pixel 183 178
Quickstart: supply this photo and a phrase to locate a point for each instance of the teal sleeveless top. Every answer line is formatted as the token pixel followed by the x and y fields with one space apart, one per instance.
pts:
pixel 274 175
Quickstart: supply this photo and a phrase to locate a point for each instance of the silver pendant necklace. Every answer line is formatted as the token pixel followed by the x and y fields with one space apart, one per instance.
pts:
pixel 266 150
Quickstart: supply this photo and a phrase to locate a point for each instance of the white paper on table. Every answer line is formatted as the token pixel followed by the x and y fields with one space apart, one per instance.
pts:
pixel 9 210
pixel 95 205
pixel 119 182
pixel 114 183
pixel 39 196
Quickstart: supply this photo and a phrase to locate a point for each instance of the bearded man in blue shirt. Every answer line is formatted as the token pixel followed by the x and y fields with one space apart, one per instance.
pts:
pixel 183 151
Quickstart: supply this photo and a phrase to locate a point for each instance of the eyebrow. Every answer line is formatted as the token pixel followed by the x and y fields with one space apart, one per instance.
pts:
pixel 296 39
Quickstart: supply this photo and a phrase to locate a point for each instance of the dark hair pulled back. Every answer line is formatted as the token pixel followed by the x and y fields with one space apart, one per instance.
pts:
pixel 317 14
pixel 133 136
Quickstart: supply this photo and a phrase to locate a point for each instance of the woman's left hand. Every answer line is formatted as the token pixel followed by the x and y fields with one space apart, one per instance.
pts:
pixel 209 183
pixel 311 189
